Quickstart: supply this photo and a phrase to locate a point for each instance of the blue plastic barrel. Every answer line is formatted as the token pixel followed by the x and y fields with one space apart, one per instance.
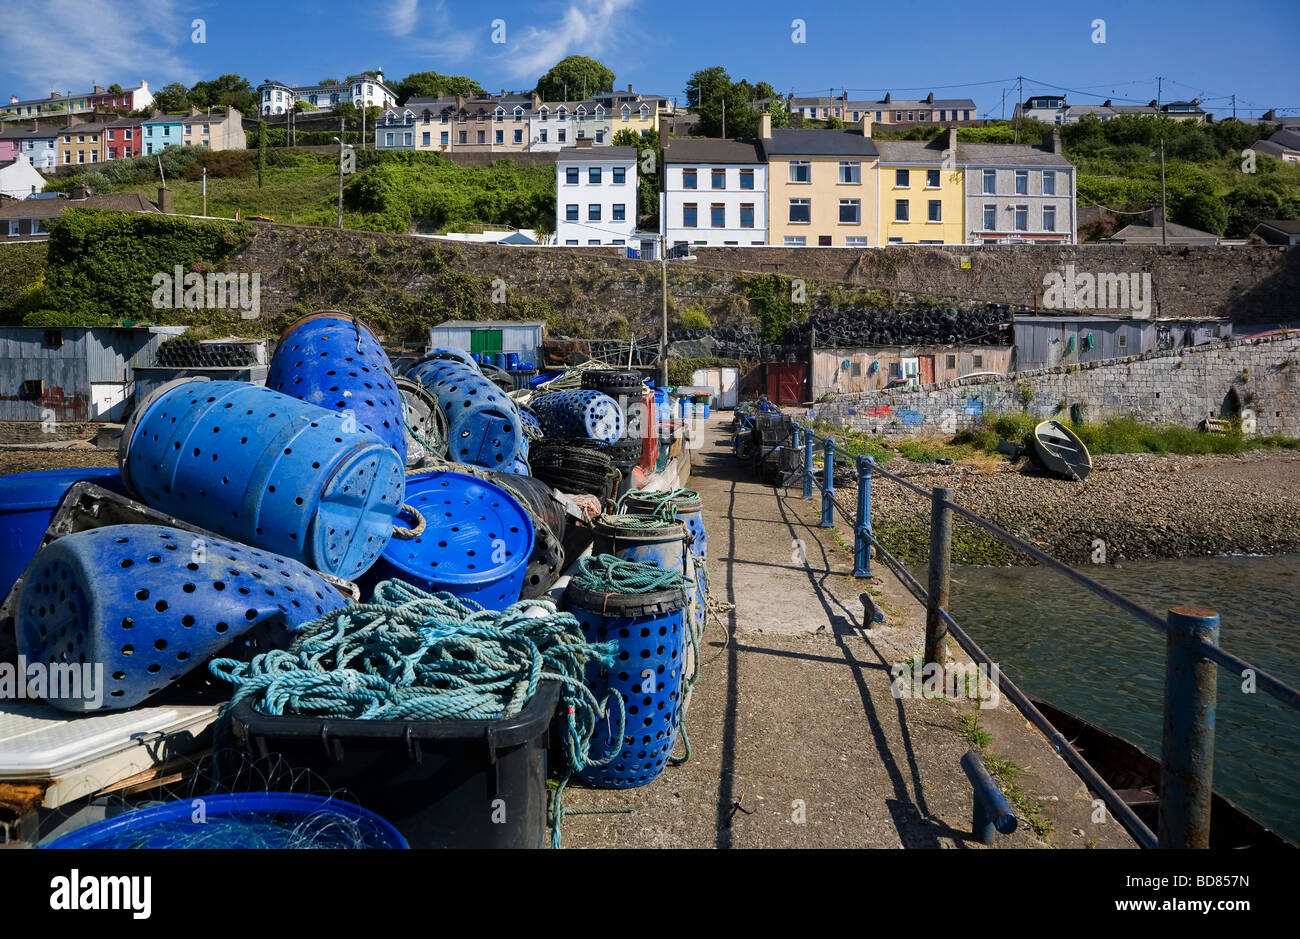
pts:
pixel 647 673
pixel 476 542
pixel 449 353
pixel 658 543
pixel 244 820
pixel 333 360
pixel 27 504
pixel 499 360
pixel 149 603
pixel 579 414
pixel 266 469
pixel 484 425
pixel 512 361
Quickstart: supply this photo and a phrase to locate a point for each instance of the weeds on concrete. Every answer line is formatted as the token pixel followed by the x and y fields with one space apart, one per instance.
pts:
pixel 1006 771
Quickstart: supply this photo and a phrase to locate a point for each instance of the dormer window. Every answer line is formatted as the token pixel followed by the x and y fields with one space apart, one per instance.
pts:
pixel 519 113
pixel 561 112
pixel 627 112
pixel 499 114
pixel 581 113
pixel 544 112
pixel 645 112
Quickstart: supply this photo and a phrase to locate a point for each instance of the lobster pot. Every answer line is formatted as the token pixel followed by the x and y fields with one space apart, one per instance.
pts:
pixel 265 469
pixel 484 426
pixel 333 360
pixel 690 512
pixel 647 673
pixel 475 544
pixel 577 414
pixel 471 359
pixel 151 602
pixel 425 424
pixel 532 428
pixel 660 544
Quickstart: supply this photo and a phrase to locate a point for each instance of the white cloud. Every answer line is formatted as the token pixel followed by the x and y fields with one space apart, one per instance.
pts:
pixel 589 27
pixel 73 44
pixel 402 16
pixel 431 32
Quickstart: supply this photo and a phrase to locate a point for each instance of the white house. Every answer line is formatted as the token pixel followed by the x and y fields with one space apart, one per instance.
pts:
pixel 19 179
pixel 366 89
pixel 595 195
pixel 715 192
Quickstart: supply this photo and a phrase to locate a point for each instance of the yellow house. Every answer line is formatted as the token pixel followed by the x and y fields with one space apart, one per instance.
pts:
pixel 822 186
pixel 80 144
pixel 922 192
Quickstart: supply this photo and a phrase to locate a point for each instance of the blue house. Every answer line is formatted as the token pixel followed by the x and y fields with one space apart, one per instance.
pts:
pixel 162 131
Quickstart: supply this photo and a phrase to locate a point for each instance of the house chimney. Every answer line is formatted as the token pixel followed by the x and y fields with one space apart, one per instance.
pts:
pixel 765 125
pixel 1106 103
pixel 13 99
pixel 1157 216
pixel 164 200
pixel 194 112
pixel 950 141
pixel 886 101
pixel 584 143
pixel 629 87
pixel 99 90
pixel 1052 140
pixel 929 99
pixel 866 124
pixel 55 94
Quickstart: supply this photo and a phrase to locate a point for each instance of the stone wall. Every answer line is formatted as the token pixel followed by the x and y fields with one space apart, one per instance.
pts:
pixel 1157 388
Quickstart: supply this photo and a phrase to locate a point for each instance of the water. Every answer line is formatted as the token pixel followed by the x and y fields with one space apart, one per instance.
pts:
pixel 1061 643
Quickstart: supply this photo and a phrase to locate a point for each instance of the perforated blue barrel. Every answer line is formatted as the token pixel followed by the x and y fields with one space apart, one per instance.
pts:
pixel 647 673
pixel 476 541
pixel 266 469
pixel 689 511
pixel 484 426
pixel 661 544
pixel 333 360
pixel 445 353
pixel 27 504
pixel 150 603
pixel 577 414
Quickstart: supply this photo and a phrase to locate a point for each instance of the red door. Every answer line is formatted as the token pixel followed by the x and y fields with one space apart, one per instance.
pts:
pixel 785 383
pixel 927 369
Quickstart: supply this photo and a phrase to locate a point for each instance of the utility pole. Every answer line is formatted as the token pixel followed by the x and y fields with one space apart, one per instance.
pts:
pixel 663 333
pixel 1004 104
pixel 1020 79
pixel 1234 107
pixel 724 118
pixel 1160 82
pixel 343 134
pixel 205 192
pixel 1164 205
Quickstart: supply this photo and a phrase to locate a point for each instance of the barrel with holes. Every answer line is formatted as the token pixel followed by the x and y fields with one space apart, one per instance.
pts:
pixel 475 543
pixel 150 603
pixel 578 414
pixel 266 469
pixel 653 541
pixel 426 424
pixel 647 672
pixel 484 426
pixel 689 511
pixel 333 360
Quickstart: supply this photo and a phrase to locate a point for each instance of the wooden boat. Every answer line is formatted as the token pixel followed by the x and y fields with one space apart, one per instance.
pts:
pixel 1135 776
pixel 1061 451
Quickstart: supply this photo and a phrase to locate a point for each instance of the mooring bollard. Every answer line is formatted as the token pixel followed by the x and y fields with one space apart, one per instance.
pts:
pixel 807 463
pixel 1187 748
pixel 862 530
pixel 991 813
pixel 940 566
pixel 828 483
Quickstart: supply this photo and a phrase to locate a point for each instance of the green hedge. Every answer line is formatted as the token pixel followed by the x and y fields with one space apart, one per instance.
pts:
pixel 22 268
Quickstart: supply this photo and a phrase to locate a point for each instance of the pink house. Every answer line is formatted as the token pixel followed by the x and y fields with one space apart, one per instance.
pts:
pixel 10 141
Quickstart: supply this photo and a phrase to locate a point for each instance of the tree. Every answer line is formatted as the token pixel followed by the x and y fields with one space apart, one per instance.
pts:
pixel 115 88
pixel 575 77
pixel 329 81
pixel 171 97
pixel 261 151
pixel 301 105
pixel 434 84
pixel 1201 210
pixel 648 182
pixel 710 89
pixel 228 90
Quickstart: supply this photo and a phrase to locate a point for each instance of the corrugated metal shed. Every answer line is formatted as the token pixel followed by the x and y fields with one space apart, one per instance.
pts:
pixel 523 338
pixel 1045 341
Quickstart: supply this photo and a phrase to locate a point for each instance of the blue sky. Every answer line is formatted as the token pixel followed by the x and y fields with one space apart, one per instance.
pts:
pixel 1203 48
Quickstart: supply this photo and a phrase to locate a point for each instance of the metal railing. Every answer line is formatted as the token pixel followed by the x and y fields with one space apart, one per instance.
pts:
pixel 1192 651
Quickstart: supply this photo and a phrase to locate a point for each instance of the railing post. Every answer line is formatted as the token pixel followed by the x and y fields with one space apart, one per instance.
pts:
pixel 936 630
pixel 1187 749
pixel 828 483
pixel 862 530
pixel 807 463
pixel 991 813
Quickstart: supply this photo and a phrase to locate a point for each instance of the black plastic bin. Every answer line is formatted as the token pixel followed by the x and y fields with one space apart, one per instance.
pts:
pixel 442 784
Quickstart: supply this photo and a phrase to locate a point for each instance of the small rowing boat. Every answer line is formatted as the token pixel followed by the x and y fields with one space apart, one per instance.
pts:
pixel 1061 451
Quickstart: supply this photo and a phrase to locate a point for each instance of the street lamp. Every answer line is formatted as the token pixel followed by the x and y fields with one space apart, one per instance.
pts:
pixel 342 147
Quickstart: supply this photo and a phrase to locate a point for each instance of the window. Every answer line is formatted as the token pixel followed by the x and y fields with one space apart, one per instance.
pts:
pixel 482 136
pixel 571 175
pixel 600 136
pixel 501 136
pixel 850 172
pixel 689 215
pixel 618 241
pixel 902 179
pixel 747 215
pixel 719 178
pixel 902 211
pixel 407 138
pixel 1049 183
pixel 990 218
pixel 746 179
pixel 688 179
pixel 800 171
pixel 877 117
pixel 931 179
pixel 519 136
pixel 801 210
pixel 593 175
pixel 582 134
pixel 620 212
pixel 13 227
pixel 443 138
pixel 718 215
pixel 571 241
pixel 823 241
pixel 620 175
pixel 990 182
pixel 855 241
pixel 850 211
pixel 37 227
pixel 911 115
pixel 1049 218
pixel 593 241
pixel 542 137
pixel 950 361
pixel 593 212
pixel 977 361
pixel 936 210
pixel 463 138
pixel 571 212
pixel 795 241
pixel 1022 182
pixel 81 156
pixel 1022 218
pixel 425 139
pixel 1121 341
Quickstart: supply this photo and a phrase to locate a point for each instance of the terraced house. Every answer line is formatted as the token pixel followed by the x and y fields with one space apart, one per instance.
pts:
pixel 715 192
pixel 81 143
pixel 221 129
pixel 822 189
pixel 921 191
pixel 1019 193
pixel 930 110
pixel 97 99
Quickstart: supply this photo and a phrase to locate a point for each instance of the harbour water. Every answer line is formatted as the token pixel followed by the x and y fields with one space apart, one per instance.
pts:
pixel 1059 642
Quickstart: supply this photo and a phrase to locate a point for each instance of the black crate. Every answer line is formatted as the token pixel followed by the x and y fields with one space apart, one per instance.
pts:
pixel 442 784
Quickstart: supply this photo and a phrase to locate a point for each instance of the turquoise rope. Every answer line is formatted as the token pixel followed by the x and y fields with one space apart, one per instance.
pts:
pixel 605 573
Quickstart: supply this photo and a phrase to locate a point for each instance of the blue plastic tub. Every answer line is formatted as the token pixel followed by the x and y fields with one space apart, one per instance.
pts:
pixel 476 542
pixel 149 603
pixel 333 360
pixel 265 469
pixel 27 504
pixel 266 820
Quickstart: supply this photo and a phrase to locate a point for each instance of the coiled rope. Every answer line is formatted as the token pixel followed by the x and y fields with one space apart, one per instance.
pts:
pixel 607 574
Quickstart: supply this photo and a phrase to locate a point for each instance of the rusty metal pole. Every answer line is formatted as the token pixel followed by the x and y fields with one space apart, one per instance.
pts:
pixel 1187 749
pixel 936 630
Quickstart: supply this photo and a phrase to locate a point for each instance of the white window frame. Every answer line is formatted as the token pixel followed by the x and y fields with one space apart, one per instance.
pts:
pixel 796 241
pixel 930 208
pixel 1022 175
pixel 806 203
pixel 795 167
pixel 854 171
pixel 856 205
